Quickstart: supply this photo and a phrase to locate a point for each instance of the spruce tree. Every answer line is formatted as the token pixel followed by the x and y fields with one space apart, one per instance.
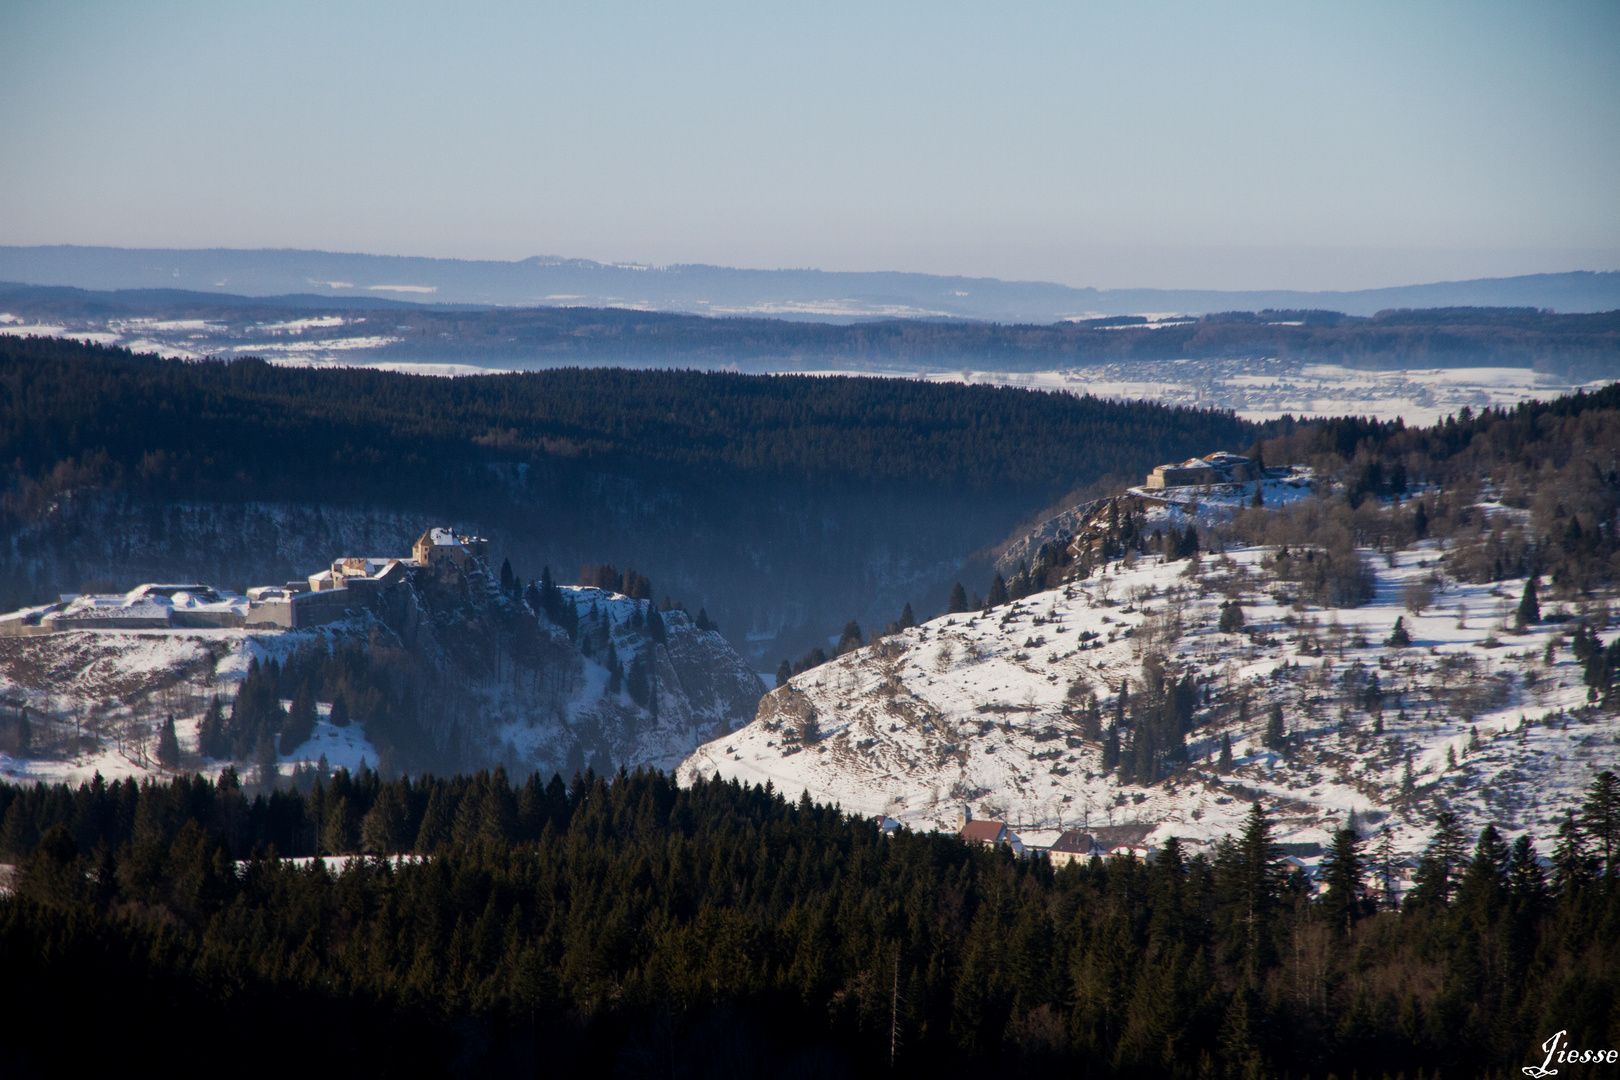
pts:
pixel 211 739
pixel 1441 864
pixel 1572 866
pixel 637 682
pixel 1224 763
pixel 1259 872
pixel 998 593
pixel 1110 753
pixel 1529 606
pixel 168 747
pixel 958 603
pixel 1398 637
pixel 1342 873
pixel 1276 736
pixel 1526 879
pixel 1600 820
pixel 264 755
pixel 907 619
pixel 25 732
pixel 1385 862
pixel 300 723
pixel 1231 617
pixel 783 674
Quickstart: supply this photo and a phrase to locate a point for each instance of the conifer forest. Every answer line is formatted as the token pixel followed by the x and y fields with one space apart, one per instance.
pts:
pixel 627 926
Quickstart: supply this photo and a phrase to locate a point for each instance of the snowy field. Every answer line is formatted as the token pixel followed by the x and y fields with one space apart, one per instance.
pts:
pixel 1254 388
pixel 969 710
pixel 1266 389
pixel 94 679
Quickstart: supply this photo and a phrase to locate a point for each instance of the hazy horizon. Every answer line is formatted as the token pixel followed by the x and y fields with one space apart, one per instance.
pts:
pixel 1256 147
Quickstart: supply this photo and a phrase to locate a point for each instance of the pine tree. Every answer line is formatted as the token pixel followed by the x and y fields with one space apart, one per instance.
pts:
pixel 211 738
pixel 506 577
pixel 1600 820
pixel 850 639
pixel 1399 638
pixel 25 732
pixel 168 747
pixel 264 755
pixel 1529 606
pixel 998 593
pixel 907 619
pixel 1572 866
pixel 1224 763
pixel 1526 879
pixel 339 715
pixel 1231 617
pixel 1385 861
pixel 1483 889
pixel 958 603
pixel 382 830
pixel 1259 872
pixel 1342 873
pixel 340 829
pixel 1276 736
pixel 1441 864
pixel 783 674
pixel 655 625
pixel 637 682
pixel 300 724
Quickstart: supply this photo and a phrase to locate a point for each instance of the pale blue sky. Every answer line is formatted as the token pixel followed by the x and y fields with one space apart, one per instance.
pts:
pixel 1198 145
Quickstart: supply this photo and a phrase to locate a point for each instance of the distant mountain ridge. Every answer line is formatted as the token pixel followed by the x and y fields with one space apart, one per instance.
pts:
pixel 793 294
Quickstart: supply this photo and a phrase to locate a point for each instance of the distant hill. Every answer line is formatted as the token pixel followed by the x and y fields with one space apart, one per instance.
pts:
pixel 794 294
pixel 365 330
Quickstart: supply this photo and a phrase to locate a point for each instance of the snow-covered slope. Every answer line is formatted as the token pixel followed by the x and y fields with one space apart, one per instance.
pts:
pixel 978 711
pixel 95 700
pixel 487 676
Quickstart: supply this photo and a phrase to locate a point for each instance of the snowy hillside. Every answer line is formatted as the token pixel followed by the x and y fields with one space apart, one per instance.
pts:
pixel 488 677
pixel 990 711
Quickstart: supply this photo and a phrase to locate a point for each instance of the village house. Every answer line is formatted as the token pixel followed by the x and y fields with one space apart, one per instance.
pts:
pixel 988 833
pixel 1072 845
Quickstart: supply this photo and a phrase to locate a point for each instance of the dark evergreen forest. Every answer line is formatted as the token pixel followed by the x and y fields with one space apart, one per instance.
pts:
pixel 780 503
pixel 625 926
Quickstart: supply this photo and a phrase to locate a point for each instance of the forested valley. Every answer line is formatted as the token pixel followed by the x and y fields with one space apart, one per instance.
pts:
pixel 626 926
pixel 782 505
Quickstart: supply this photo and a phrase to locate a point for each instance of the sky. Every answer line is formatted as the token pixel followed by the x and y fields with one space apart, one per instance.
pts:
pixel 1234 146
